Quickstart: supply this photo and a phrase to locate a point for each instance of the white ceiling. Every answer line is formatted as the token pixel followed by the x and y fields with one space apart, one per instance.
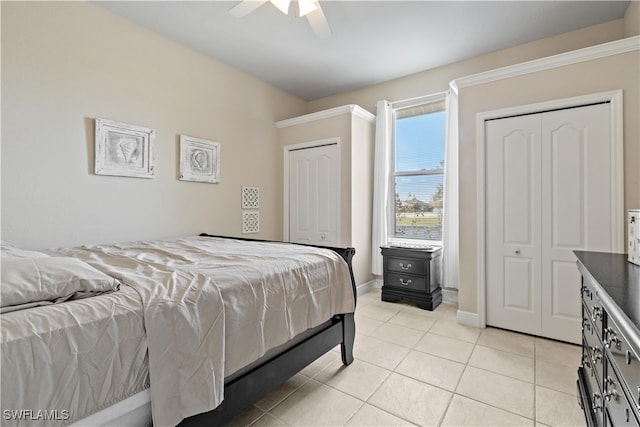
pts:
pixel 372 41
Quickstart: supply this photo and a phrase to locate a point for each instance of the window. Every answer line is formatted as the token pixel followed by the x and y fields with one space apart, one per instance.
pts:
pixel 418 175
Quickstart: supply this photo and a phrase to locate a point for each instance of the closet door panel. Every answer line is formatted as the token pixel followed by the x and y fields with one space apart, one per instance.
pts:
pixel 576 206
pixel 513 223
pixel 313 195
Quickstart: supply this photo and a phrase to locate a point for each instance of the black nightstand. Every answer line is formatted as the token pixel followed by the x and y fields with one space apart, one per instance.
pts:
pixel 412 274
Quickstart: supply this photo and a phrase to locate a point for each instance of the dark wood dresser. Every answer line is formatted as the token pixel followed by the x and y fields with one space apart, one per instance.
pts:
pixel 412 274
pixel 609 374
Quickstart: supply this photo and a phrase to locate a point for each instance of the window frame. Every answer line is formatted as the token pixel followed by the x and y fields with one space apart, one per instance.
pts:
pixel 393 174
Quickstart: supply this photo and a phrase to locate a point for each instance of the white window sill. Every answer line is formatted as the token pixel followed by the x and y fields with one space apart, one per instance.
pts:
pixel 413 243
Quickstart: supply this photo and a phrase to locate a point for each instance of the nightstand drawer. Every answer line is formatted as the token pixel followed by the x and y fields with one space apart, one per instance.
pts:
pixel 403 281
pixel 406 265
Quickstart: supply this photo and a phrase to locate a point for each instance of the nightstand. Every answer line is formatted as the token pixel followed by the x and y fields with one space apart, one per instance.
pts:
pixel 412 274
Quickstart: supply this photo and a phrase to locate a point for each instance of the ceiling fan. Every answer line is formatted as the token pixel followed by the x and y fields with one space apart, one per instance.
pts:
pixel 309 8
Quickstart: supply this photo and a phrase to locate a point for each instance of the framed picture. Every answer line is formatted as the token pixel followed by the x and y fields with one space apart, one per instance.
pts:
pixel 199 160
pixel 123 149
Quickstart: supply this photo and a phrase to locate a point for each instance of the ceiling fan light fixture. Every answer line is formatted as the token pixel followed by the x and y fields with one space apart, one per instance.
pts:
pixel 283 5
pixel 306 6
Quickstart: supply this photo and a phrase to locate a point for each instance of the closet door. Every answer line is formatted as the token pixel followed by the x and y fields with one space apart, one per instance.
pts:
pixel 313 195
pixel 548 194
pixel 514 224
pixel 576 209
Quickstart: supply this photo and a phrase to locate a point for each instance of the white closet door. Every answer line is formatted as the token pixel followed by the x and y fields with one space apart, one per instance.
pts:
pixel 548 194
pixel 313 195
pixel 576 206
pixel 514 223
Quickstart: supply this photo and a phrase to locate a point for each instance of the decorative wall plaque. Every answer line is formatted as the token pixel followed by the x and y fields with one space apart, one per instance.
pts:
pixel 122 149
pixel 250 197
pixel 199 160
pixel 250 222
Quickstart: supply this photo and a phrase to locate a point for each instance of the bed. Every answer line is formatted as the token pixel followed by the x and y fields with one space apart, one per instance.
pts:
pixel 200 326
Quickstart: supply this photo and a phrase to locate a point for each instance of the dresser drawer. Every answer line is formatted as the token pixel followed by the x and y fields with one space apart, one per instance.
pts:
pixel 404 281
pixel 625 360
pixel 594 396
pixel 595 311
pixel 593 355
pixel 406 265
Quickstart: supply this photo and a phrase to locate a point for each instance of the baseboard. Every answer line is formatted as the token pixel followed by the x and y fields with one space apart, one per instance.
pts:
pixel 369 286
pixel 468 319
pixel 450 295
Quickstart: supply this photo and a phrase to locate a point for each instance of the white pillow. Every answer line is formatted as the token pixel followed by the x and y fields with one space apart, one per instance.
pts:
pixel 28 282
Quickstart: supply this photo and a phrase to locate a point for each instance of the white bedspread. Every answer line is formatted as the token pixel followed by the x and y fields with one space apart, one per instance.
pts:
pixel 212 305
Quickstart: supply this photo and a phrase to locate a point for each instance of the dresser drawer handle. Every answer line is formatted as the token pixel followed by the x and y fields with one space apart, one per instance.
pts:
pixel 597 312
pixel 405 282
pixel 610 387
pixel 405 266
pixel 595 407
pixel 628 357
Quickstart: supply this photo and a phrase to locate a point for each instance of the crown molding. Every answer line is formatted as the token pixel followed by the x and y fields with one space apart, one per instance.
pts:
pixel 354 109
pixel 586 54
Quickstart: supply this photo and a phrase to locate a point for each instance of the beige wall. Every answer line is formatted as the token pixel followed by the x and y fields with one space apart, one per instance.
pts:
pixel 362 154
pixel 632 19
pixel 65 63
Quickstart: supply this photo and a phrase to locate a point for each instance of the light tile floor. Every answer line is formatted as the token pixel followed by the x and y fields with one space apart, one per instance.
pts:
pixel 418 367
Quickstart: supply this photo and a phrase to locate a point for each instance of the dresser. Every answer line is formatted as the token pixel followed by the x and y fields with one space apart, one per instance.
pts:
pixel 412 274
pixel 609 373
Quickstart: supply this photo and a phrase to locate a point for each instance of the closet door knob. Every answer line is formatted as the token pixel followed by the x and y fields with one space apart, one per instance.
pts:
pixel 517 251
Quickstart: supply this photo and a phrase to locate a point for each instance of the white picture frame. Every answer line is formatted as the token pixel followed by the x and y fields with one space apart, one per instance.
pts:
pixel 199 160
pixel 123 149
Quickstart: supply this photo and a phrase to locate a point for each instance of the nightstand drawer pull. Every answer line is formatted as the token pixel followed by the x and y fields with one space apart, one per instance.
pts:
pixel 405 266
pixel 405 282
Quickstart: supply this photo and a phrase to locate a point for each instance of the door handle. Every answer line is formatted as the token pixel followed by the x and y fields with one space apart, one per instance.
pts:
pixel 517 251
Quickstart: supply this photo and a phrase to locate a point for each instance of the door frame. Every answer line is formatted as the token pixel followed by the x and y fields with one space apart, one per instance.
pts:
pixel 617 178
pixel 285 195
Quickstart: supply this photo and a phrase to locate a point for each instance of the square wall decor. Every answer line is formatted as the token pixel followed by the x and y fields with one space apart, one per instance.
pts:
pixel 199 160
pixel 250 197
pixel 250 222
pixel 122 149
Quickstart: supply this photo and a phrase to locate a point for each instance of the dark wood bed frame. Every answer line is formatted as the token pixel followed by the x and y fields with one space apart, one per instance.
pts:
pixel 244 390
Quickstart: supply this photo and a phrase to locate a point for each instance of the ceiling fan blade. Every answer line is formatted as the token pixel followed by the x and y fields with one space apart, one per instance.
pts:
pixel 318 22
pixel 245 7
